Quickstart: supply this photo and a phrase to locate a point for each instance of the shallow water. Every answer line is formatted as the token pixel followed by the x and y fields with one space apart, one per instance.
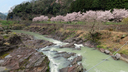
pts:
pixel 90 57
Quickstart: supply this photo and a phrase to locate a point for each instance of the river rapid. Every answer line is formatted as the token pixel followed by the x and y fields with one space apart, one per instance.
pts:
pixel 90 57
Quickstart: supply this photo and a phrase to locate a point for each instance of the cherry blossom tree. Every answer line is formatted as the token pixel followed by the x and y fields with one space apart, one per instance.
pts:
pixel 57 18
pixel 120 14
pixel 103 16
pixel 41 18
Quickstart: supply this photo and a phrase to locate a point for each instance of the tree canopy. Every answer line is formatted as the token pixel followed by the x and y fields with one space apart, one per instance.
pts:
pixel 84 5
pixel 28 10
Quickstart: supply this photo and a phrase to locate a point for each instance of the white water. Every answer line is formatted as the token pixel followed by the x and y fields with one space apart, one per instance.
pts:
pixel 90 57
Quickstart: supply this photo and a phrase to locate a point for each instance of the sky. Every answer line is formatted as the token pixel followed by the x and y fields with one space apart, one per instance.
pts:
pixel 5 5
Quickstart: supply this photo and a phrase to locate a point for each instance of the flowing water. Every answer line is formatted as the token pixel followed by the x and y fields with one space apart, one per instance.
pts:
pixel 90 57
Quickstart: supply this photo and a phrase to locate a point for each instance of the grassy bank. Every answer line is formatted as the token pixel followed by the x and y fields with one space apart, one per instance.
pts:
pixel 80 23
pixel 111 40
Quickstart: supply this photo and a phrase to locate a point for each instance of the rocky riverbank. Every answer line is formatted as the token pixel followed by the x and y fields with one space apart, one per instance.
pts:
pixel 18 53
pixel 73 37
pixel 25 58
pixel 28 42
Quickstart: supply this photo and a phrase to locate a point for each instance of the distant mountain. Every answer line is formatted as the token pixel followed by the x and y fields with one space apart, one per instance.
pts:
pixel 2 16
pixel 5 14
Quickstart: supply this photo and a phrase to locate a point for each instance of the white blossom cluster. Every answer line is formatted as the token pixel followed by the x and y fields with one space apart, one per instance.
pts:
pixel 41 18
pixel 116 15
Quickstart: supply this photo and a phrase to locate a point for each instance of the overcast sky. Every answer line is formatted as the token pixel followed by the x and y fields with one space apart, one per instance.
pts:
pixel 5 5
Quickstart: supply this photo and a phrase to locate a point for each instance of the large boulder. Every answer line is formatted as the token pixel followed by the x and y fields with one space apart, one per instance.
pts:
pixel 36 44
pixel 14 39
pixel 7 48
pixel 117 56
pixel 90 44
pixel 107 51
pixel 9 42
pixel 74 68
pixel 26 60
pixel 70 45
pixel 76 60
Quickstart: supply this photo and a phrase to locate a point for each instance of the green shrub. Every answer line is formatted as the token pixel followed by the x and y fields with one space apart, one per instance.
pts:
pixel 94 37
pixel 99 46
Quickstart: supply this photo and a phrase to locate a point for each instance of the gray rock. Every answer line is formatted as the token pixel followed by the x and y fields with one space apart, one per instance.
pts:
pixel 1 62
pixel 76 60
pixel 90 44
pixel 70 45
pixel 117 56
pixel 74 68
pixel 74 40
pixel 38 63
pixel 29 60
pixel 80 42
pixel 68 40
pixel 8 56
pixel 64 69
pixel 102 50
pixel 107 51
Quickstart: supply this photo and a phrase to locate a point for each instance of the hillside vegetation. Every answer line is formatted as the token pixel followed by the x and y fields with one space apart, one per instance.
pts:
pixel 85 5
pixel 29 10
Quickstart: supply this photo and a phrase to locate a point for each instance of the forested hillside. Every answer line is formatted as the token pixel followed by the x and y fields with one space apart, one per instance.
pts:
pixel 84 5
pixel 29 10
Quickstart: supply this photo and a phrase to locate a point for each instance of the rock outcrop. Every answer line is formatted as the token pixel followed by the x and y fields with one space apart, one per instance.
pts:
pixel 26 60
pixel 75 40
pixel 70 45
pixel 23 57
pixel 73 46
pixel 90 44
pixel 65 54
pixel 74 68
pixel 9 42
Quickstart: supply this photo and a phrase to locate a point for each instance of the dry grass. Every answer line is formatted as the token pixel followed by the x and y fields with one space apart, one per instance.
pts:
pixel 114 40
pixel 110 40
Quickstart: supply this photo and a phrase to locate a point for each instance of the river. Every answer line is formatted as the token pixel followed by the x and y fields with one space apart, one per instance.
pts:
pixel 90 57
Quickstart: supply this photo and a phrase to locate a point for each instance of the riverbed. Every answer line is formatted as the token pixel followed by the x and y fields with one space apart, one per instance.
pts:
pixel 90 57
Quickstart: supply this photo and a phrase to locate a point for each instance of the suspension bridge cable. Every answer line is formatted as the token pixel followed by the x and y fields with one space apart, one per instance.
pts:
pixel 106 58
